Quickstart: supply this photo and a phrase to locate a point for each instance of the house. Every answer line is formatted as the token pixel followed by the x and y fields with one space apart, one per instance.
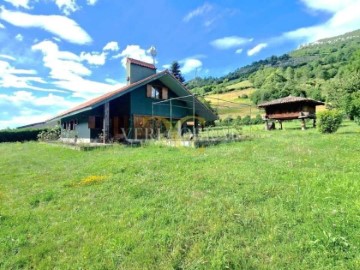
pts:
pixel 289 108
pixel 149 103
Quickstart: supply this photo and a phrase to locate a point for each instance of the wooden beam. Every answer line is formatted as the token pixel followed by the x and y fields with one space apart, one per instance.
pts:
pixel 106 122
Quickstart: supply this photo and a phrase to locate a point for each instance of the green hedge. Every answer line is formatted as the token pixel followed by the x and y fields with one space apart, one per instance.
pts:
pixel 19 135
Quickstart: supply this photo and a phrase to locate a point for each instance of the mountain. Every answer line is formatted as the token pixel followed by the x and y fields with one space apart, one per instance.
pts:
pixel 304 71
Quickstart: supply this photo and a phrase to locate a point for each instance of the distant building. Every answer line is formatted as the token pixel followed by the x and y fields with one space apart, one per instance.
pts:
pixel 290 108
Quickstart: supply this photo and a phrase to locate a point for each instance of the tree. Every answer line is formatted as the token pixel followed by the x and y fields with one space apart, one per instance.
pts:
pixel 175 70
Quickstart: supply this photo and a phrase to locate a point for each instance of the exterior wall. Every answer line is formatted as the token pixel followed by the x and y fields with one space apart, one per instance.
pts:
pixel 142 105
pixel 94 133
pixel 123 111
pixel 82 131
pixel 290 111
pixel 136 73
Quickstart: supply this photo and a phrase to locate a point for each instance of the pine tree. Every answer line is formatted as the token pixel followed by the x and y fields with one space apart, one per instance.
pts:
pixel 175 70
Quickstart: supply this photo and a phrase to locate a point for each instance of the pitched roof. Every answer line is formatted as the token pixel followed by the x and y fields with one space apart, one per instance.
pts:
pixel 290 99
pixel 165 75
pixel 94 101
pixel 140 63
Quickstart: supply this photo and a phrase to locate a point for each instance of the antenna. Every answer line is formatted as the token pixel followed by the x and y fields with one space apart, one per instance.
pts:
pixel 153 53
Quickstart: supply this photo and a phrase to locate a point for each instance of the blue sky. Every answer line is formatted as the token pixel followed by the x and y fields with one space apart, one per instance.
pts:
pixel 55 54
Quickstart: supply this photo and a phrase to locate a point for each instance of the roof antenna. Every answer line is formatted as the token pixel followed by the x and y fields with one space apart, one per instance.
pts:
pixel 153 53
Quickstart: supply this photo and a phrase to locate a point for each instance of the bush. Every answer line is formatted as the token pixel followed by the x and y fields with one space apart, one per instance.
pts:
pixel 329 121
pixel 244 96
pixel 257 120
pixel 246 120
pixel 19 135
pixel 52 134
pixel 227 121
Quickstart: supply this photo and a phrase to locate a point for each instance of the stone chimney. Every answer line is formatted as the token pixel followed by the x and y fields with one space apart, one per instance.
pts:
pixel 137 70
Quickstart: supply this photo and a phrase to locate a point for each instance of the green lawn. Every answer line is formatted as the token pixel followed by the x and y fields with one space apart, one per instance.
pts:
pixel 284 200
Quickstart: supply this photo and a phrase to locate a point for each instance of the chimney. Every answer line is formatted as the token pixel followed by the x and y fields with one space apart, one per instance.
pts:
pixel 137 70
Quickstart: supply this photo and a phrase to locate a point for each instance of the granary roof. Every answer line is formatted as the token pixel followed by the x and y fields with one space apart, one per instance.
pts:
pixel 140 63
pixel 290 99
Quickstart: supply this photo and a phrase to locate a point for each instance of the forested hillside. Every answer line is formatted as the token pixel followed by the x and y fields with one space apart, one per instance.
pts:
pixel 327 70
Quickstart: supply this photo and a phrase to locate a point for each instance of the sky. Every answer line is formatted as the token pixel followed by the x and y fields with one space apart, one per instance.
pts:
pixel 55 54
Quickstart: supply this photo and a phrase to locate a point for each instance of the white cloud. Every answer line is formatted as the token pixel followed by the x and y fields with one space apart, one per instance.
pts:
pixel 136 52
pixel 67 6
pixel 189 65
pixel 61 63
pixel 25 98
pixel 239 51
pixel 91 2
pixel 167 66
pixel 60 26
pixel 8 57
pixel 25 118
pixel 19 37
pixel 2 26
pixel 94 58
pixel 257 49
pixel 67 72
pixel 112 81
pixel 19 3
pixel 9 78
pixel 331 6
pixel 111 46
pixel 198 12
pixel 229 42
pixel 345 18
pixel 6 68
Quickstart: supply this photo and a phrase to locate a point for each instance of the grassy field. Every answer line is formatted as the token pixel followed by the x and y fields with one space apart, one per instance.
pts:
pixel 284 200
pixel 231 104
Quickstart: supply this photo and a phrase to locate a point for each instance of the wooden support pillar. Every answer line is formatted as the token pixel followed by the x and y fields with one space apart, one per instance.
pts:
pixel 314 123
pixel 280 123
pixel 106 122
pixel 303 124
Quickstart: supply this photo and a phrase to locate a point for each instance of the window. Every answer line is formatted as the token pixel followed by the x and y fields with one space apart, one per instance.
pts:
pixel 69 125
pixel 95 122
pixel 157 92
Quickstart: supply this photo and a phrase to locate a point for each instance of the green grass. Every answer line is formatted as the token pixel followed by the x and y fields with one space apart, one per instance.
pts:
pixel 287 200
pixel 240 85
pixel 230 103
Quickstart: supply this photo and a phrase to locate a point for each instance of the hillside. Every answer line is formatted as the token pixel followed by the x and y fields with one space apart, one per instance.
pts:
pixel 323 70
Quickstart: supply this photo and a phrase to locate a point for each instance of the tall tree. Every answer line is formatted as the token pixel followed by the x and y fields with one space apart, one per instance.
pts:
pixel 175 70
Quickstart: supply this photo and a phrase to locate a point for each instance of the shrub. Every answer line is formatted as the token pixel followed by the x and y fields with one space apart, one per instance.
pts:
pixel 257 120
pixel 19 135
pixel 52 134
pixel 244 96
pixel 329 121
pixel 227 121
pixel 246 120
pixel 237 121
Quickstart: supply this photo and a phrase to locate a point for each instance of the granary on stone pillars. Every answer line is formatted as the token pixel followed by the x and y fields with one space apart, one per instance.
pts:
pixel 290 108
